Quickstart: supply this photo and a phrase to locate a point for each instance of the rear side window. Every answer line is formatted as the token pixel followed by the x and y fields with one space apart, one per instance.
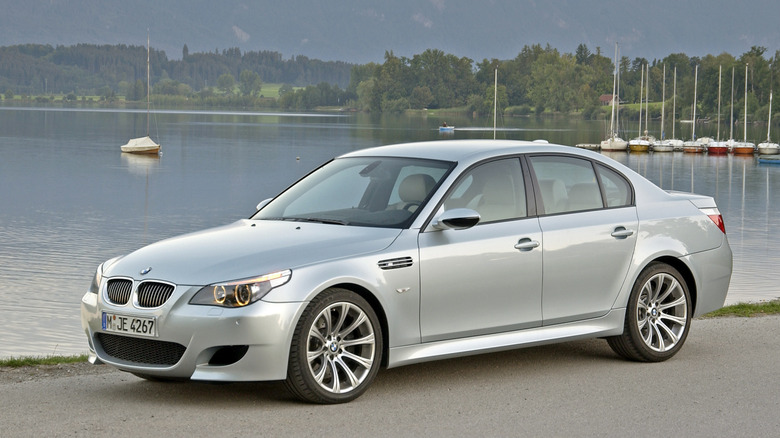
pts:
pixel 616 189
pixel 566 184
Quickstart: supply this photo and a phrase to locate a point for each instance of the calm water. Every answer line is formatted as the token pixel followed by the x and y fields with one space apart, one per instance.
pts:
pixel 71 200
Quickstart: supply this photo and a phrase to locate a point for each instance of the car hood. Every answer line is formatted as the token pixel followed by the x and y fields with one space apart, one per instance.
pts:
pixel 248 248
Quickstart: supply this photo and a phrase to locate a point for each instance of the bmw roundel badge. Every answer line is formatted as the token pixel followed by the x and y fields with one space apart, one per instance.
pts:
pixel 146 270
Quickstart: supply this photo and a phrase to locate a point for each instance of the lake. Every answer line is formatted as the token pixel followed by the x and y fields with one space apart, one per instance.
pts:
pixel 71 200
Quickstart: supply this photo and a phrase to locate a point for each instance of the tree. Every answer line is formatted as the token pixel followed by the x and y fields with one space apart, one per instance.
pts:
pixel 249 83
pixel 582 55
pixel 421 97
pixel 226 82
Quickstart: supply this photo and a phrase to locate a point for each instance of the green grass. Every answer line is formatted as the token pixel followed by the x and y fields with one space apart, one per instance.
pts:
pixel 747 310
pixel 17 362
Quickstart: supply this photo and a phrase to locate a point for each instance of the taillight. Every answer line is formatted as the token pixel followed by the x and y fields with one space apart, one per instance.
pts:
pixel 714 214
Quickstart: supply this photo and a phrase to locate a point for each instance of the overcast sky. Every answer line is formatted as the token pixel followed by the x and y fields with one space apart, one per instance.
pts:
pixel 360 31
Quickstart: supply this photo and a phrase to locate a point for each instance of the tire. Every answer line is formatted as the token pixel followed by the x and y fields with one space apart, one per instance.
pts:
pixel 336 349
pixel 658 316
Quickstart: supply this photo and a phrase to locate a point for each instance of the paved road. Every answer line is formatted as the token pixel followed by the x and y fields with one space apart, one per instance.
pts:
pixel 724 382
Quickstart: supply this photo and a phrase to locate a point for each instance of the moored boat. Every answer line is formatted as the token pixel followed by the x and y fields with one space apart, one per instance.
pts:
pixel 768 147
pixel 669 145
pixel 143 145
pixel 744 148
pixel 718 148
pixel 693 147
pixel 640 144
pixel 613 142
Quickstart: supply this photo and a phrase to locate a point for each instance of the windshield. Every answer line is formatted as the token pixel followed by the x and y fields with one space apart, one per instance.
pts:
pixel 361 191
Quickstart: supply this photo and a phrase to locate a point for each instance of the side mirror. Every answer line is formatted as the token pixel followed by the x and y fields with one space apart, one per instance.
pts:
pixel 263 203
pixel 456 219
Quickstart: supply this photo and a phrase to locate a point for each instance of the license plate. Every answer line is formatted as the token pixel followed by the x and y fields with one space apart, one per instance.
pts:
pixel 130 324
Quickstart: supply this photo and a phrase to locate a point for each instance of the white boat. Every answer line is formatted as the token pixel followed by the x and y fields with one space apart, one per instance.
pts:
pixel 768 147
pixel 613 142
pixel 642 143
pixel 143 145
pixel 693 145
pixel 661 145
pixel 670 144
pixel 744 147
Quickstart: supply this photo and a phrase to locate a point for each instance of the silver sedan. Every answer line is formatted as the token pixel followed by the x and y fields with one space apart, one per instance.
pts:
pixel 407 253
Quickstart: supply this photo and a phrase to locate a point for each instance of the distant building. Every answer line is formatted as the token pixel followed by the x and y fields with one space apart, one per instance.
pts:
pixel 605 99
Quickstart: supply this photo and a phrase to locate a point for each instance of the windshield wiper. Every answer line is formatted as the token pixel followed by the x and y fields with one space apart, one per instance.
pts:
pixel 307 219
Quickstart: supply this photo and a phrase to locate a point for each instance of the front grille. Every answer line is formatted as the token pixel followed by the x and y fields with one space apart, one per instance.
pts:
pixel 119 291
pixel 151 294
pixel 141 351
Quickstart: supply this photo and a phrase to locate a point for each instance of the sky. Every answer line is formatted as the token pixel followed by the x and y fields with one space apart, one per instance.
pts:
pixel 361 31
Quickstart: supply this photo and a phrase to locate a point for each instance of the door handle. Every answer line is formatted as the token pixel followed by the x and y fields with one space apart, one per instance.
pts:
pixel 526 244
pixel 621 233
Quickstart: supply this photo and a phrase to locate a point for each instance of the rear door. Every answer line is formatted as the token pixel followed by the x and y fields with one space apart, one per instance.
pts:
pixel 589 224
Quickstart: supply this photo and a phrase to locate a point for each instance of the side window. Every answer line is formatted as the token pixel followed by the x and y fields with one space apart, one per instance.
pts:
pixel 567 184
pixel 616 188
pixel 495 190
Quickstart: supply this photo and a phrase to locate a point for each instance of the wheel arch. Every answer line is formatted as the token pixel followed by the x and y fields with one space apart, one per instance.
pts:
pixel 687 274
pixel 376 305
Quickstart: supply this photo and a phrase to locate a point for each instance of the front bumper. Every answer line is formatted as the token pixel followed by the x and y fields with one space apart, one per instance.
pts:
pixel 197 342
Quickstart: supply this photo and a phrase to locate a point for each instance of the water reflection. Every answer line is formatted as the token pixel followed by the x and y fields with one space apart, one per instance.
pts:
pixel 71 200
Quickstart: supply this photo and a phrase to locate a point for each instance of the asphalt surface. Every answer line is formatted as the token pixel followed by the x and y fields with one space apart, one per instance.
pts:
pixel 724 382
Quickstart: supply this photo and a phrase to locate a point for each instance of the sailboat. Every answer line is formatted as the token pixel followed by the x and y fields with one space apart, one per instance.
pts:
pixel 642 142
pixel 718 147
pixel 670 144
pixel 693 146
pixel 744 147
pixel 143 145
pixel 768 147
pixel 663 145
pixel 613 142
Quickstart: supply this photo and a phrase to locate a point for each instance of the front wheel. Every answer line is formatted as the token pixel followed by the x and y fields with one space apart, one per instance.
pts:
pixel 658 316
pixel 336 349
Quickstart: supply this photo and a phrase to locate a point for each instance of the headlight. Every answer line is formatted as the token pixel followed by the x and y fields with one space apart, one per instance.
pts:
pixel 98 277
pixel 240 293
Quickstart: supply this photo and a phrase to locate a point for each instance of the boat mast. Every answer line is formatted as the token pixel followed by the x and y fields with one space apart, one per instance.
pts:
pixel 674 102
pixel 148 83
pixel 663 102
pixel 614 82
pixel 731 121
pixel 695 84
pixel 495 101
pixel 769 123
pixel 617 96
pixel 641 85
pixel 720 71
pixel 745 127
pixel 647 98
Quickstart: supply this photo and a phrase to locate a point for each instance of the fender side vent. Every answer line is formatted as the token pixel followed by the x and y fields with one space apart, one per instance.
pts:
pixel 401 262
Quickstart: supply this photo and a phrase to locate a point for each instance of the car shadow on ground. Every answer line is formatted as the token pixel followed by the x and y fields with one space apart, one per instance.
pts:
pixel 492 369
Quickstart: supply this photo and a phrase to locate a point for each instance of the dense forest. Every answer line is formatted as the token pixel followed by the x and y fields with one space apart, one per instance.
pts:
pixel 538 80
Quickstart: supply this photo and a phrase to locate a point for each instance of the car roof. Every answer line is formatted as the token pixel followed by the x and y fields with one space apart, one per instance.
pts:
pixel 465 150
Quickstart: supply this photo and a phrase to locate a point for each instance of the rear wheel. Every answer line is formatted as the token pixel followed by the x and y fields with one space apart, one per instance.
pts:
pixel 336 349
pixel 658 316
